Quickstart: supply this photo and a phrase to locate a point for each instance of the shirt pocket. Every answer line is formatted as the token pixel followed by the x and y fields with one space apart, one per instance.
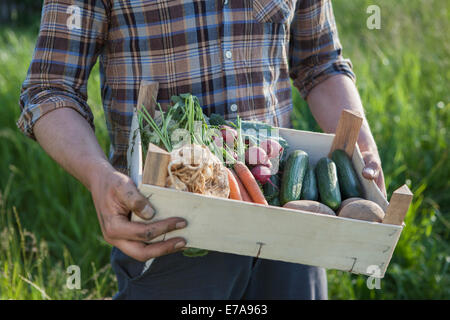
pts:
pixel 143 6
pixel 273 11
pixel 150 2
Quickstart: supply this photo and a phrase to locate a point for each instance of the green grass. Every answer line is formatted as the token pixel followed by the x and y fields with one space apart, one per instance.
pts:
pixel 48 222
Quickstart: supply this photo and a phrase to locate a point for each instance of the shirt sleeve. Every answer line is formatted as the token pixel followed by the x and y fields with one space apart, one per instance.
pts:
pixel 315 52
pixel 71 36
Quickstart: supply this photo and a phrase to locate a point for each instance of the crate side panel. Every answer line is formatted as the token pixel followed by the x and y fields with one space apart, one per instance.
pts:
pixel 275 233
pixel 316 145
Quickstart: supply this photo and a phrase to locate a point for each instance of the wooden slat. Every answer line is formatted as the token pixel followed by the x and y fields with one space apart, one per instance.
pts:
pixel 148 93
pixel 347 132
pixel 398 206
pixel 275 233
pixel 134 152
pixel 155 168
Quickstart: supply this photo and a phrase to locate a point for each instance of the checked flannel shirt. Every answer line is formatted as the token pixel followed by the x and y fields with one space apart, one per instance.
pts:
pixel 236 56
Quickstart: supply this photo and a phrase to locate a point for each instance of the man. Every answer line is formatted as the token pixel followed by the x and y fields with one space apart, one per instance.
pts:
pixel 238 57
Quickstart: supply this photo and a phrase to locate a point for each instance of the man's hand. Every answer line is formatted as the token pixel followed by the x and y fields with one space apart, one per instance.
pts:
pixel 115 196
pixel 68 138
pixel 327 100
pixel 373 170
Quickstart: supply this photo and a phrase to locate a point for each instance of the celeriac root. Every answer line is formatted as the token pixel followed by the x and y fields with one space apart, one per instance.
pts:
pixel 195 168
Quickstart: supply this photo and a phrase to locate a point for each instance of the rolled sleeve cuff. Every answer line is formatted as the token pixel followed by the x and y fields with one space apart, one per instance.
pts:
pixel 32 111
pixel 311 77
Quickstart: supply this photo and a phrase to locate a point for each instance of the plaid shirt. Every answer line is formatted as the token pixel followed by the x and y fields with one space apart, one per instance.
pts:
pixel 236 56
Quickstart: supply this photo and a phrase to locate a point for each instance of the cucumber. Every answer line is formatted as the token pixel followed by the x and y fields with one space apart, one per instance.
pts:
pixel 309 187
pixel 328 184
pixel 293 175
pixel 271 189
pixel 348 180
pixel 195 252
pixel 275 202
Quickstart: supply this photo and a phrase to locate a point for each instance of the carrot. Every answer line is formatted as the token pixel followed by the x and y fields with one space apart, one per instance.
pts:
pixel 250 183
pixel 234 187
pixel 244 193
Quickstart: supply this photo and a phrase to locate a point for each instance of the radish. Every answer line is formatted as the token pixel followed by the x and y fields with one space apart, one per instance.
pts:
pixel 272 148
pixel 229 135
pixel 248 142
pixel 256 156
pixel 218 141
pixel 261 173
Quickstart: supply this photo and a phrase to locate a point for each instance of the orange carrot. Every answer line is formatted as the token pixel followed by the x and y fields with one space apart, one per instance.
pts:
pixel 244 193
pixel 250 183
pixel 234 187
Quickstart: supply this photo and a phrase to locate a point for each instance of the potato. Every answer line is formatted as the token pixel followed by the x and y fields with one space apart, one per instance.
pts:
pixel 346 202
pixel 362 210
pixel 309 205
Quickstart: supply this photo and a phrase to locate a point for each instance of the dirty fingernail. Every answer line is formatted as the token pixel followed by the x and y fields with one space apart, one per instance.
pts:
pixel 148 212
pixel 180 244
pixel 181 224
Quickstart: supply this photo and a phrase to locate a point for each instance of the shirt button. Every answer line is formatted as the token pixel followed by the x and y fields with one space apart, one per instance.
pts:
pixel 228 54
pixel 233 107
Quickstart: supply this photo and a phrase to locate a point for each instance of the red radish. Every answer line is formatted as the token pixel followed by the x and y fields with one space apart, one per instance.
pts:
pixel 272 148
pixel 249 142
pixel 218 141
pixel 229 135
pixel 261 173
pixel 256 155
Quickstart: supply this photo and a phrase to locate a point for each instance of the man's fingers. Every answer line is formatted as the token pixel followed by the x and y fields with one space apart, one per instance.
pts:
pixel 143 252
pixel 373 171
pixel 372 167
pixel 120 227
pixel 135 201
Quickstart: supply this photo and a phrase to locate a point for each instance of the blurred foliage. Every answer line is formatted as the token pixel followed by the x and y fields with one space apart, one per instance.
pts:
pixel 20 12
pixel 403 72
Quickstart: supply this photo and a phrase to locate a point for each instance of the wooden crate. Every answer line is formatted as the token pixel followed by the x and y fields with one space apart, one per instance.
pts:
pixel 277 233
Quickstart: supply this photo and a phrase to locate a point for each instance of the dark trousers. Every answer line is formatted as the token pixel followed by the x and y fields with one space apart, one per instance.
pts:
pixel 216 276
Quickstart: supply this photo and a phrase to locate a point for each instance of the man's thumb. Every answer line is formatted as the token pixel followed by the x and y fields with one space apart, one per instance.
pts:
pixel 137 203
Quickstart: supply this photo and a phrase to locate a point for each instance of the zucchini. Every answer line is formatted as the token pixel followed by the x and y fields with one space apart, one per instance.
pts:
pixel 348 180
pixel 293 175
pixel 327 182
pixel 309 187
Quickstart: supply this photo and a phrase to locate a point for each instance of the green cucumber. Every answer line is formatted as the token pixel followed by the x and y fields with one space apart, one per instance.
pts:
pixel 275 202
pixel 194 252
pixel 293 175
pixel 309 187
pixel 328 184
pixel 348 180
